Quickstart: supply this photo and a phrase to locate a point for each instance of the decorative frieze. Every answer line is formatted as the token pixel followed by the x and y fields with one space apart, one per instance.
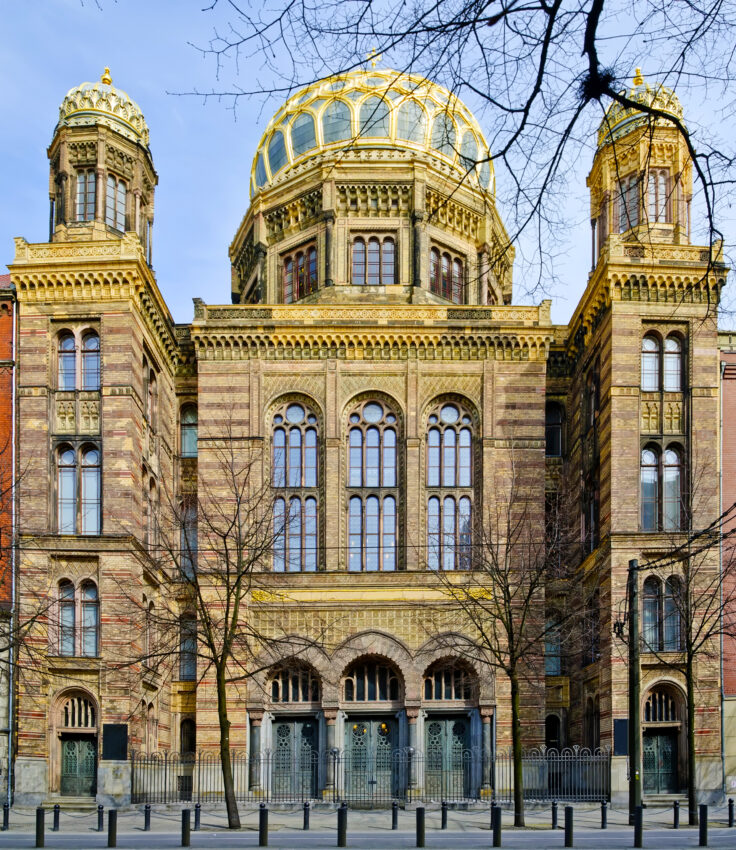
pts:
pixel 293 215
pixel 374 199
pixel 77 413
pixel 451 215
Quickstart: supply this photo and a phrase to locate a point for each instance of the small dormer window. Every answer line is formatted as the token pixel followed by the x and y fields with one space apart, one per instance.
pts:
pixel 115 203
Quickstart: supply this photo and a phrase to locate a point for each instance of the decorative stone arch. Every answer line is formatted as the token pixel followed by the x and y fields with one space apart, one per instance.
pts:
pixel 378 645
pixel 439 648
pixel 74 712
pixel 388 399
pixel 267 661
pixel 664 713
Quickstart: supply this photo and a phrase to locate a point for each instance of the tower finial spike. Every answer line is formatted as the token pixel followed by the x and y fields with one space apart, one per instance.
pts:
pixel 106 78
pixel 638 79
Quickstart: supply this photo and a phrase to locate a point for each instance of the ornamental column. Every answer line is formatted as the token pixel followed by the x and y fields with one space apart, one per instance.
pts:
pixel 254 762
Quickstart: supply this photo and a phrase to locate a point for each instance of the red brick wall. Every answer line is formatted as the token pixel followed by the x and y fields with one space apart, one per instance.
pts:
pixel 6 421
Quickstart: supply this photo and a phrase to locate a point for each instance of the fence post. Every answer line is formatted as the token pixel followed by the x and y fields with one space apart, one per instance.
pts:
pixel 186 833
pixel 197 815
pixel 40 826
pixel 638 826
pixel 420 826
pixel 604 815
pixel 100 818
pixel 262 825
pixel 703 819
pixel 6 816
pixel 554 814
pixel 496 825
pixel 57 811
pixel 305 824
pixel 147 817
pixel 342 825
pixel 568 826
pixel 444 814
pixel 112 828
pixel 676 815
pixel 394 815
pixel 730 813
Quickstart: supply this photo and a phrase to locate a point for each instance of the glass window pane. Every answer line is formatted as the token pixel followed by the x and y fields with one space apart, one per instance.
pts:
pixel 672 366
pixel 457 282
pixel 389 533
pixel 310 535
pixel 372 543
pixel 66 637
pixel 372 458
pixel 120 211
pixel 358 277
pixel 295 535
pixel 277 158
pixel 448 531
pixel 355 535
pixel 110 202
pixel 411 123
pixel 374 118
pixel 433 458
pixel 91 363
pixel 288 281
pixel 444 135
pixel 67 363
pixel 356 458
pixel 464 460
pixel 279 533
pixel 310 458
pixel 387 262
pixel 261 177
pixel 433 534
pixel 672 493
pixel 448 458
pixel 649 498
pixel 279 458
pixel 336 122
pixel 90 500
pixel 672 616
pixel 464 534
pixel 295 457
pixel 389 458
pixel 68 498
pixel 434 271
pixel 373 266
pixel 303 134
pixel 469 151
pixel 90 627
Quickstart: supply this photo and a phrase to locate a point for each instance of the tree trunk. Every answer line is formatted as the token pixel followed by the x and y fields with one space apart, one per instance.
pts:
pixel 516 750
pixel 692 801
pixel 233 817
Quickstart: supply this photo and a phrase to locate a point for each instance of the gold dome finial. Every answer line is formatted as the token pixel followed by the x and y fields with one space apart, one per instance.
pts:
pixel 106 78
pixel 638 79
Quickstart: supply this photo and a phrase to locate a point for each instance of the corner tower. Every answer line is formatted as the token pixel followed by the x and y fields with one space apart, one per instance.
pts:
pixel 102 179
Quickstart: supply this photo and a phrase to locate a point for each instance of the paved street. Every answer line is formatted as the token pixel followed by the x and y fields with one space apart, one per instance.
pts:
pixel 366 829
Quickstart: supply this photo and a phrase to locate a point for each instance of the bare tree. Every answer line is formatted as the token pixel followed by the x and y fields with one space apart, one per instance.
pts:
pixel 540 74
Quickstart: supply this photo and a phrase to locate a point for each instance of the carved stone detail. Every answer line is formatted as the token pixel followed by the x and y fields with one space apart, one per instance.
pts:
pixel 293 215
pixel 374 199
pixel 674 419
pixel 352 384
pixel 66 420
pixel 452 215
pixel 650 417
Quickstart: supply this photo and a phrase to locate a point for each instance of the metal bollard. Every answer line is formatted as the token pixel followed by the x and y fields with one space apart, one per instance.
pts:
pixel 40 826
pixel 568 826
pixel 676 815
pixel 703 819
pixel 444 815
pixel 342 825
pixel 420 826
pixel 147 818
pixel 554 814
pixel 100 818
pixel 730 813
pixel 493 809
pixel 112 828
pixel 197 815
pixel 57 811
pixel 638 826
pixel 305 822
pixel 496 825
pixel 604 815
pixel 262 826
pixel 394 815
pixel 6 817
pixel 186 827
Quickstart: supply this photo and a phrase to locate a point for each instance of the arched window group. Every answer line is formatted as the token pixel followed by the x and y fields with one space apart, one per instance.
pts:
pixel 295 471
pixel 660 707
pixel 373 485
pixel 79 619
pixel 450 485
pixel 83 372
pixel 662 485
pixel 661 365
pixel 373 260
pixel 79 503
pixel 371 681
pixel 446 276
pixel 294 684
pixel 449 681
pixel 662 614
pixel 300 274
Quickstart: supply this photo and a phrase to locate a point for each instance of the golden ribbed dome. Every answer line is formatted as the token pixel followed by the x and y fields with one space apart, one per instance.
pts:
pixel 102 103
pixel 372 109
pixel 620 120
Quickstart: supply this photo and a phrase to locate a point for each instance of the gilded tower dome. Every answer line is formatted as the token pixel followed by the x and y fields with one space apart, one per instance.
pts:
pixel 368 110
pixel 102 103
pixel 619 119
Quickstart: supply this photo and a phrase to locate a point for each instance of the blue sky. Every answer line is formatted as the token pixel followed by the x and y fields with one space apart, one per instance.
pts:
pixel 202 151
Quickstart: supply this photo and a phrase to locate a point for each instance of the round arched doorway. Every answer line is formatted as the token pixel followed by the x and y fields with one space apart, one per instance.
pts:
pixel 663 742
pixel 76 727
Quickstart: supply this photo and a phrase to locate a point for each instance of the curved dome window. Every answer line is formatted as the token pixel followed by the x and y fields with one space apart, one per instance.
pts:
pixel 303 134
pixel 374 118
pixel 261 177
pixel 444 136
pixel 485 171
pixel 336 122
pixel 277 152
pixel 411 122
pixel 469 151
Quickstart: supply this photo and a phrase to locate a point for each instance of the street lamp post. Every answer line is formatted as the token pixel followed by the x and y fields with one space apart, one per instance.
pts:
pixel 634 691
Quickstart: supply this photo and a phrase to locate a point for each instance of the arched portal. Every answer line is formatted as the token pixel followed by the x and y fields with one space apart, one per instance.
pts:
pixel 664 750
pixel 75 744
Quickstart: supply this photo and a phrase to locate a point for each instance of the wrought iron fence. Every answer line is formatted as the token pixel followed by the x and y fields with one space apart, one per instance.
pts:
pixel 371 780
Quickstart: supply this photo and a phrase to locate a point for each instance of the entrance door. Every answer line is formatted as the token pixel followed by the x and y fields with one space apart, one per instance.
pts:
pixel 78 766
pixel 371 760
pixel 448 763
pixel 294 769
pixel 660 763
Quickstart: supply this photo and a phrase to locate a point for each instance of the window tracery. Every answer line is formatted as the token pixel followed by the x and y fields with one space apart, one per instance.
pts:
pixel 371 681
pixel 295 684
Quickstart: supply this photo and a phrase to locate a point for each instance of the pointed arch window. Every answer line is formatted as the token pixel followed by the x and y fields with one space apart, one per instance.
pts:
pixel 373 487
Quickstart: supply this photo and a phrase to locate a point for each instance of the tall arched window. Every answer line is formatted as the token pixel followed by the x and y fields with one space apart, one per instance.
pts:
pixel 450 487
pixel 297 683
pixel 662 483
pixel 448 680
pixel 91 362
pixel 294 475
pixel 672 365
pixel 447 275
pixel 67 618
pixel 67 358
pixel 373 260
pixel 78 490
pixel 188 648
pixel 649 477
pixel 86 193
pixel 672 490
pixel 627 203
pixel 188 424
pixel 188 538
pixel 91 494
pixel 85 640
pixel 90 620
pixel 658 196
pixel 650 363
pixel 115 203
pixel 67 490
pixel 652 613
pixel 662 614
pixel 300 274
pixel 187 736
pixel 372 482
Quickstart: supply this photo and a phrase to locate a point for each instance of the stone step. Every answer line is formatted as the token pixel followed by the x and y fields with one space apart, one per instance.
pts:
pixel 78 804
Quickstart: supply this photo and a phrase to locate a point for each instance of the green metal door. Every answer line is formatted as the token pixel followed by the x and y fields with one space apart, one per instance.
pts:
pixel 78 766
pixel 294 760
pixel 660 763
pixel 370 760
pixel 447 771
